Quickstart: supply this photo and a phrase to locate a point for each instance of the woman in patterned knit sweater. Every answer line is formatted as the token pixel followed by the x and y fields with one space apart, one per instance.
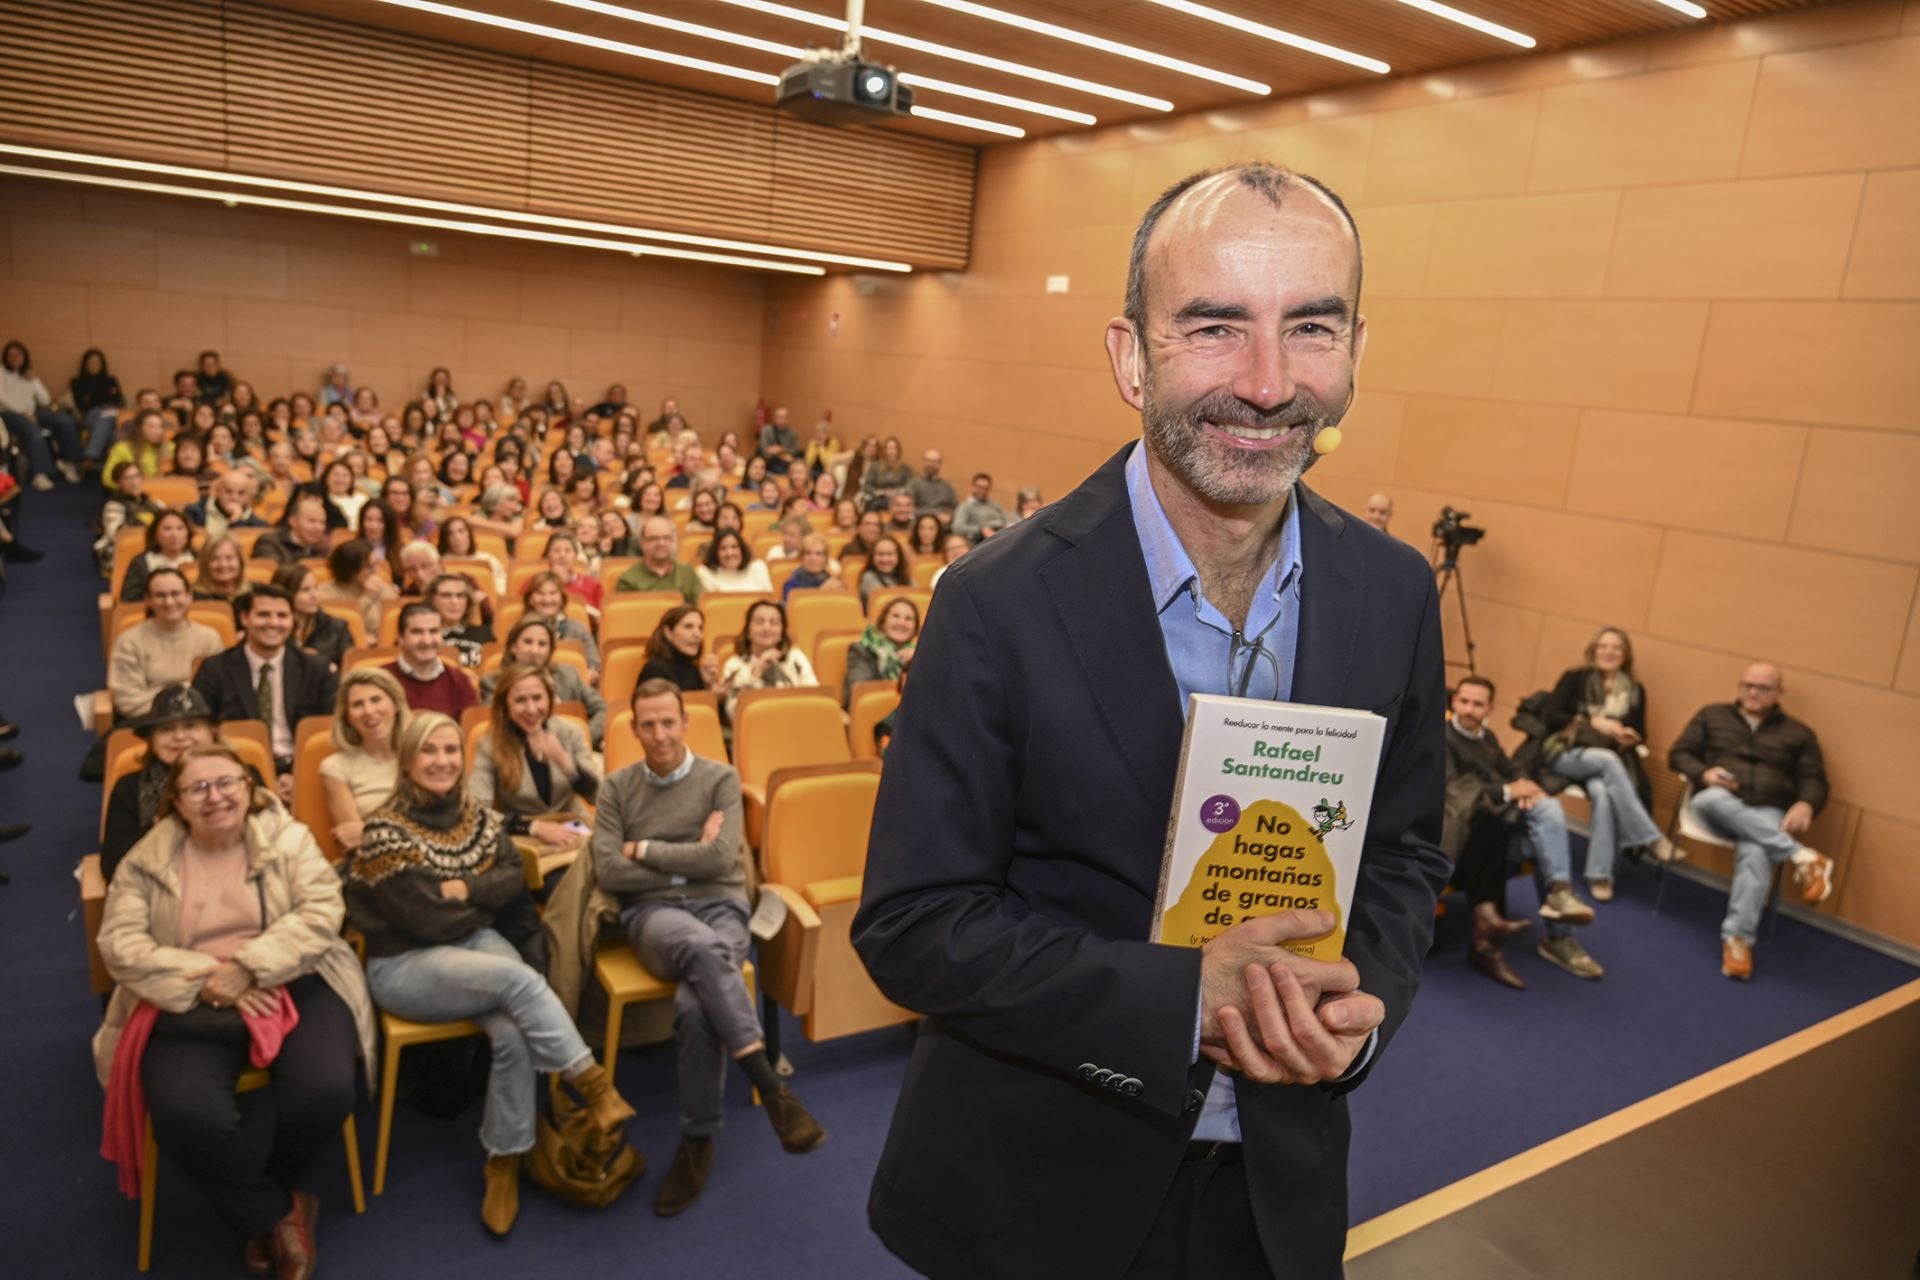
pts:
pixel 437 889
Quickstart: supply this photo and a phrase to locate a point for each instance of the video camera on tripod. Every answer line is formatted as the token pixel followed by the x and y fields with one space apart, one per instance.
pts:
pixel 1451 532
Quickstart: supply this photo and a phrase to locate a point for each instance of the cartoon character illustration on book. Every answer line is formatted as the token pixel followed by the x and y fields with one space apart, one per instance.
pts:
pixel 1330 817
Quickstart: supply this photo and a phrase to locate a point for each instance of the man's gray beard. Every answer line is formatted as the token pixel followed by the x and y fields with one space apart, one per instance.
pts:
pixel 1221 473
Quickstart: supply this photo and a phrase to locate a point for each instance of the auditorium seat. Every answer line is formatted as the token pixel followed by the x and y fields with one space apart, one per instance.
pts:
pixel 829 658
pixel 633 615
pixel 870 702
pixel 777 729
pixel 812 610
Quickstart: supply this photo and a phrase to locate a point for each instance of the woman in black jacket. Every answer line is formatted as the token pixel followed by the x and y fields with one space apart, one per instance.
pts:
pixel 436 887
pixel 673 651
pixel 98 399
pixel 1599 712
pixel 314 629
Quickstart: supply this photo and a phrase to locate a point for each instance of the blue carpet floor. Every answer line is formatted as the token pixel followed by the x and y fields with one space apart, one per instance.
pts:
pixel 1477 1074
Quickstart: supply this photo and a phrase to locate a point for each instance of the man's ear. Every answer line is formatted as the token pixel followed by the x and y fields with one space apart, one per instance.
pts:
pixel 1124 358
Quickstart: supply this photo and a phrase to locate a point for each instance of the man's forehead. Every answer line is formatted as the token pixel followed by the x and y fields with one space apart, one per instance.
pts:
pixel 1222 234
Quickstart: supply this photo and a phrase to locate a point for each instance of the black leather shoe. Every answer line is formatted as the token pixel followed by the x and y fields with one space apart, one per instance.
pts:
pixel 14 831
pixel 11 759
pixel 686 1176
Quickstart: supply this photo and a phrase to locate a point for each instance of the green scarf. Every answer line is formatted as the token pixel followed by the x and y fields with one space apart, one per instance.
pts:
pixel 886 653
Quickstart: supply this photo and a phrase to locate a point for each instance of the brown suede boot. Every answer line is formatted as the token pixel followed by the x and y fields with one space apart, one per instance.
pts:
pixel 502 1202
pixel 799 1131
pixel 607 1109
pixel 686 1176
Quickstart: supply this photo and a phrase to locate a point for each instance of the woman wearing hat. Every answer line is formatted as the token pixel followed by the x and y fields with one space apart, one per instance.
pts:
pixel 179 719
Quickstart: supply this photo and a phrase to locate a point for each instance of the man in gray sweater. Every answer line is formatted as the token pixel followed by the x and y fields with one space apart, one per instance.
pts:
pixel 666 844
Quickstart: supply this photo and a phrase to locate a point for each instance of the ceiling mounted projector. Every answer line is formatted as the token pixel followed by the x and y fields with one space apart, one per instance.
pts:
pixel 839 90
pixel 839 86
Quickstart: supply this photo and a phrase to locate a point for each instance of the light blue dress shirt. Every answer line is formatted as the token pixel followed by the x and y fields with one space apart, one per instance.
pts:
pixel 1208 655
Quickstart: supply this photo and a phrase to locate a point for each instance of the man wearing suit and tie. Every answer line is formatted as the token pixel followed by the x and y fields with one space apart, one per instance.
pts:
pixel 1082 1102
pixel 265 678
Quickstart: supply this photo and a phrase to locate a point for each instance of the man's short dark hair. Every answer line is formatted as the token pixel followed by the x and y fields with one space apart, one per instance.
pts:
pixel 1270 180
pixel 981 475
pixel 1482 681
pixel 263 591
pixel 659 688
pixel 418 608
pixel 300 496
pixel 158 574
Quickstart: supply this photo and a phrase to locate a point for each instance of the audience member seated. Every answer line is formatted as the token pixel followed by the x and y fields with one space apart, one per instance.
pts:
pixel 567 562
pixel 456 539
pixel 979 509
pixel 616 535
pixel 169 546
pixel 222 933
pixel 779 442
pixel 870 529
pixel 1379 511
pixel 377 528
pixel 729 566
pixel 223 571
pixel 214 383
pixel 1599 711
pixel 929 492
pixel 531 643
pixel 343 495
pixel 928 533
pixel 265 678
pixel 315 631
pixel 301 534
pixel 1759 780
pixel 952 547
pixel 98 400
pixel 673 651
pixel 145 445
pixel 1493 810
pixel 179 718
pixel 30 417
pixel 816 572
pixel 355 581
pixel 660 568
pixel 451 595
pixel 161 651
pixel 451 932
pixel 360 774
pixel 1028 503
pixel 546 597
pixel 538 772
pixel 823 450
pixel 764 657
pixel 428 682
pixel 900 515
pixel 886 569
pixel 884 648
pixel 885 477
pixel 667 846
pixel 228 506
pixel 127 504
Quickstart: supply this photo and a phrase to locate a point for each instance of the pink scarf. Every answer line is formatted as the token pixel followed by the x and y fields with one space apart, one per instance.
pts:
pixel 124 1122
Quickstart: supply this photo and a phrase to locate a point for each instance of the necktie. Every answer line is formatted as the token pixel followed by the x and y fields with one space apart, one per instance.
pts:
pixel 265 695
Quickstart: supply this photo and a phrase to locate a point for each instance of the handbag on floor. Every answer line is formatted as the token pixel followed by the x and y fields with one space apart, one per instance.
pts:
pixel 575 1161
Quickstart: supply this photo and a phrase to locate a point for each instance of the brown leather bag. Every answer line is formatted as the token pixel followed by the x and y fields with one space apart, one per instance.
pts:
pixel 577 1162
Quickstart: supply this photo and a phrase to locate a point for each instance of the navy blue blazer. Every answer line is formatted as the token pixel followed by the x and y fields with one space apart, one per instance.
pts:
pixel 1009 888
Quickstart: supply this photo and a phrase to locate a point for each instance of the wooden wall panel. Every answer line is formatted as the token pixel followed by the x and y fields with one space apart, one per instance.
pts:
pixel 1648 311
pixel 264 89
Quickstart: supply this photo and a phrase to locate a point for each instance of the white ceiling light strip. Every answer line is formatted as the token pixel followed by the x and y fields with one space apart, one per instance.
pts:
pixel 1684 6
pixel 442 206
pixel 1465 19
pixel 1114 47
pixel 794 53
pixel 591 42
pixel 1274 34
pixel 235 198
pixel 958 55
pixel 948 117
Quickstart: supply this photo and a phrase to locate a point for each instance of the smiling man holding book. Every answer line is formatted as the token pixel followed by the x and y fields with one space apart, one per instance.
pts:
pixel 1084 1101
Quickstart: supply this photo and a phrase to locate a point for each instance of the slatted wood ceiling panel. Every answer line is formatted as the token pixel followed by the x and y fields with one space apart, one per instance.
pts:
pixel 137 77
pixel 263 89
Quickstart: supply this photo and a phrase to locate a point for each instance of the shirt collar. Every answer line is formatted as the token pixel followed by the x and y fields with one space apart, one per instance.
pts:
pixel 1169 568
pixel 680 770
pixel 425 675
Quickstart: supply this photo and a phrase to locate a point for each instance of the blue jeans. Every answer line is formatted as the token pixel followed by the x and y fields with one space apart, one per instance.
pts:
pixel 103 423
pixel 28 431
pixel 1758 843
pixel 1546 836
pixel 485 979
pixel 1620 821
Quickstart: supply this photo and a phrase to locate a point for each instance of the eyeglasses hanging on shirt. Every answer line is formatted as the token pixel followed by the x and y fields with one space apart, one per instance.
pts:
pixel 1255 650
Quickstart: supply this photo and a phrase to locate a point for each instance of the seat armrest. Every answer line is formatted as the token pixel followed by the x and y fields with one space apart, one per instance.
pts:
pixel 788 959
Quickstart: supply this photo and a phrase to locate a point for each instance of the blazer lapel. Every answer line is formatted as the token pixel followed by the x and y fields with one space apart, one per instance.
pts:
pixel 1333 580
pixel 1099 590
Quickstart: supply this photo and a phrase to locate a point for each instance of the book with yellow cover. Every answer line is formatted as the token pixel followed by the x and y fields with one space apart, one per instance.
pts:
pixel 1270 812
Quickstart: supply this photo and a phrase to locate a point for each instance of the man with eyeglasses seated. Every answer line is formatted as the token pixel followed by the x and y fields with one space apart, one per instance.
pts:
pixel 265 678
pixel 1758 780
pixel 660 568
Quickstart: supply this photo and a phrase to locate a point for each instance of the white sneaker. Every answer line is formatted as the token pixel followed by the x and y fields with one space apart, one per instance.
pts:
pixel 71 472
pixel 43 483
